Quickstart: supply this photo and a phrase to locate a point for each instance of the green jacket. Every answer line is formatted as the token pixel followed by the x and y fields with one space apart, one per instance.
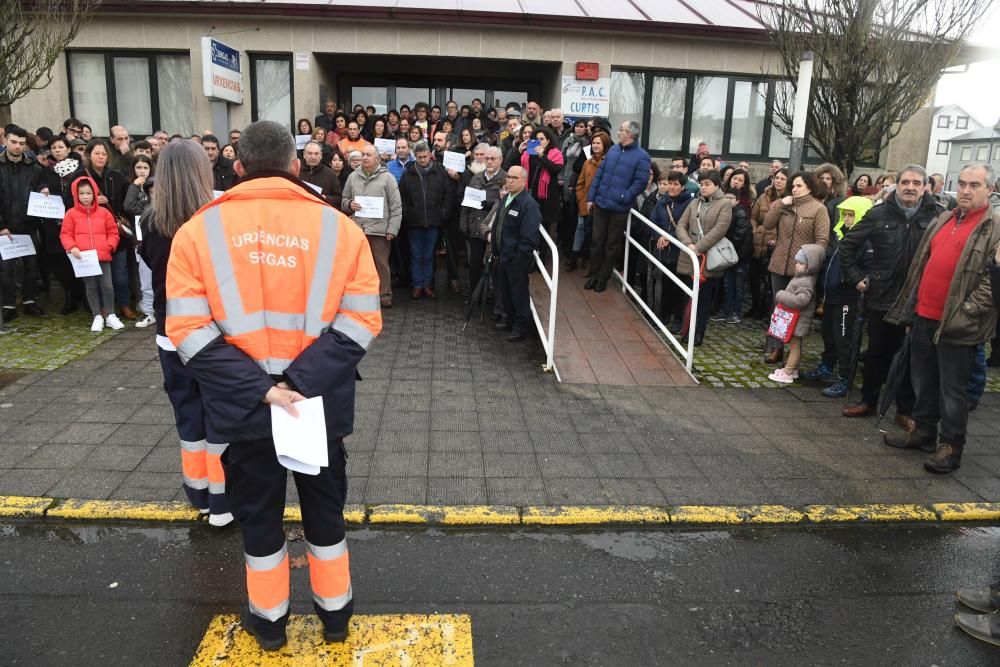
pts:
pixel 969 315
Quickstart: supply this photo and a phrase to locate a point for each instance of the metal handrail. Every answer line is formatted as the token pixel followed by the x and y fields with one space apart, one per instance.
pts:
pixel 552 281
pixel 692 292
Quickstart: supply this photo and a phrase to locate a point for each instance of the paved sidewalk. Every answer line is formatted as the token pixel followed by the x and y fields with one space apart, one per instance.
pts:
pixel 445 417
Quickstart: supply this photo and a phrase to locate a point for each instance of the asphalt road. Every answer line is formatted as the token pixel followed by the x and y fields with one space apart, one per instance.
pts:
pixel 79 594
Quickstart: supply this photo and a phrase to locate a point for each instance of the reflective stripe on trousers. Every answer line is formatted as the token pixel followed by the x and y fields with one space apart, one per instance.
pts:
pixel 267 584
pixel 330 575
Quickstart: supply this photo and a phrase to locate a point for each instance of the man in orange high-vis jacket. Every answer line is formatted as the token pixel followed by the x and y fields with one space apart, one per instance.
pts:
pixel 272 297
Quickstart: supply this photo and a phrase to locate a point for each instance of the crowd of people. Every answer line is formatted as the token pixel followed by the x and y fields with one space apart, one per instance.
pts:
pixel 424 182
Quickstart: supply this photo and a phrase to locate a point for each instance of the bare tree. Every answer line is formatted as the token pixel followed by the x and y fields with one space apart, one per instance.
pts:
pixel 35 34
pixel 876 63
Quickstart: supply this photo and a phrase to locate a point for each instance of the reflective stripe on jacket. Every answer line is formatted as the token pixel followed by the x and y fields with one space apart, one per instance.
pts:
pixel 267 281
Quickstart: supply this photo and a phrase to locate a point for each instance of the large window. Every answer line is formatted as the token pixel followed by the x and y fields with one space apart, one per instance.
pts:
pixel 983 153
pixel 374 96
pixel 735 116
pixel 962 123
pixel 944 121
pixel 501 98
pixel 628 90
pixel 410 96
pixel 966 153
pixel 708 113
pixel 144 92
pixel 466 95
pixel 271 88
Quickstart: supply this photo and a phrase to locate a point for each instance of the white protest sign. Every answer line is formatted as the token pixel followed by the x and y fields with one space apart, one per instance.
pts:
pixel 300 442
pixel 301 140
pixel 454 161
pixel 371 207
pixel 385 146
pixel 138 229
pixel 46 206
pixel 587 151
pixel 317 188
pixel 18 245
pixel 474 198
pixel 86 265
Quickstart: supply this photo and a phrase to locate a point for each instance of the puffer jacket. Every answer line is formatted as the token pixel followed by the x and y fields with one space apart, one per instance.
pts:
pixel 621 177
pixel 715 215
pixel 380 183
pixel 740 233
pixel 805 221
pixel 835 290
pixel 761 236
pixel 894 241
pixel 800 294
pixel 16 181
pixel 587 173
pixel 427 198
pixel 472 221
pixel 92 228
pixel 969 316
pixel 666 215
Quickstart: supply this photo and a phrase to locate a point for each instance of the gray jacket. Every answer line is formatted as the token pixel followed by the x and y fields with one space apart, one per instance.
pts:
pixel 380 183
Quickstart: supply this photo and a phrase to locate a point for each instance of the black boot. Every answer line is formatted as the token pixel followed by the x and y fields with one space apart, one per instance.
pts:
pixel 69 304
pixel 571 263
pixel 914 439
pixel 947 459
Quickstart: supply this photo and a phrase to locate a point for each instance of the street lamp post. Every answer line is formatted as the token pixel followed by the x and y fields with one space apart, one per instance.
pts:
pixel 801 111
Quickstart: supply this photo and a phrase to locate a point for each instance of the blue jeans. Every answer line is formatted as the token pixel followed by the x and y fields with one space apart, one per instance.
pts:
pixel 422 242
pixel 119 278
pixel 977 376
pixel 734 283
pixel 583 226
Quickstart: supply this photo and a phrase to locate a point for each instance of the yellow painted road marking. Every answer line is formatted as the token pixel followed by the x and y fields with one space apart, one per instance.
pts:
pixel 967 511
pixel 384 639
pixel 736 514
pixel 24 505
pixel 445 515
pixel 874 512
pixel 124 509
pixel 354 515
pixel 593 515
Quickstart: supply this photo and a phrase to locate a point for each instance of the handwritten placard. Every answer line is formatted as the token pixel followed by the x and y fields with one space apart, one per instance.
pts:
pixel 454 161
pixel 46 206
pixel 385 146
pixel 17 245
pixel 474 198
pixel 86 264
pixel 371 207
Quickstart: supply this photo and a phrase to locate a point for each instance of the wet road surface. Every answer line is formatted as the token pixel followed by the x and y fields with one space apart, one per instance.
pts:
pixel 82 594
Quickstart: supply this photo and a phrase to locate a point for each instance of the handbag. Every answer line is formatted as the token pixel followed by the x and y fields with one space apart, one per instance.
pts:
pixel 783 322
pixel 720 256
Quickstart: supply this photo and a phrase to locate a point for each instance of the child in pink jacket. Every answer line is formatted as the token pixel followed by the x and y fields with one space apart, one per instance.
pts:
pixel 88 226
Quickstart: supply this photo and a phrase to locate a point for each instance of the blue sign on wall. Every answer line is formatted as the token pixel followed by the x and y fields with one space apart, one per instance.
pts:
pixel 225 56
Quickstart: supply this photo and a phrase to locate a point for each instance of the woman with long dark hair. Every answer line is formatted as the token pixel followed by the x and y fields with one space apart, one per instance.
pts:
pixel 542 173
pixel 183 185
pixel 113 186
pixel 136 202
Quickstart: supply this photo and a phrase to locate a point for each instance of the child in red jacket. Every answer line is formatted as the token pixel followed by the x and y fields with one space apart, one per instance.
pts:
pixel 88 226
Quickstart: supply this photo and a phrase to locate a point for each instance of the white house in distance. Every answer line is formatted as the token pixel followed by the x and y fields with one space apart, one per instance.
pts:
pixel 948 122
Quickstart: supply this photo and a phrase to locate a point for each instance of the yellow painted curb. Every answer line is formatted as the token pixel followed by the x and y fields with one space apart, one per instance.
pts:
pixel 24 505
pixel 967 511
pixel 354 515
pixel 380 639
pixel 125 510
pixel 593 515
pixel 445 515
pixel 735 515
pixel 874 512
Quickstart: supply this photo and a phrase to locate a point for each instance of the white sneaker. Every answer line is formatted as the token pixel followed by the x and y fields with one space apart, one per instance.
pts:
pixel 98 324
pixel 783 377
pixel 114 322
pixel 220 520
pixel 146 321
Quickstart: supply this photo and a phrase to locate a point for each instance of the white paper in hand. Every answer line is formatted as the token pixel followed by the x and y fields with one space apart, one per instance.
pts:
pixel 300 442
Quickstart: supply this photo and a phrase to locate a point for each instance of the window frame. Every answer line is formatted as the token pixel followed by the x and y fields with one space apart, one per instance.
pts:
pixel 979 153
pixel 966 154
pixel 109 78
pixel 691 75
pixel 944 122
pixel 268 55
pixel 947 146
pixel 961 122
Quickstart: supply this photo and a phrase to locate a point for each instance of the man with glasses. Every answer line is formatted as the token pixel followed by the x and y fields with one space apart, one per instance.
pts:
pixel 622 176
pixel 471 221
pixel 947 303
pixel 516 237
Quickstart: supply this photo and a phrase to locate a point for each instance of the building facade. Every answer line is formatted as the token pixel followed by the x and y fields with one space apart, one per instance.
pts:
pixel 948 122
pixel 979 146
pixel 690 73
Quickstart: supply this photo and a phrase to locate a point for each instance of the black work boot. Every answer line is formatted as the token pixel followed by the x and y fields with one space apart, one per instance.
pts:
pixel 270 637
pixel 915 439
pixel 947 458
pixel 984 601
pixel 985 627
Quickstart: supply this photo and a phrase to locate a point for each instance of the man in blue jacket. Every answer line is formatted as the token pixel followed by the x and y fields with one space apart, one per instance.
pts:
pixel 516 236
pixel 623 174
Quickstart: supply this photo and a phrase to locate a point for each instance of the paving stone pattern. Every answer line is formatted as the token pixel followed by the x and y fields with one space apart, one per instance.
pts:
pixel 450 417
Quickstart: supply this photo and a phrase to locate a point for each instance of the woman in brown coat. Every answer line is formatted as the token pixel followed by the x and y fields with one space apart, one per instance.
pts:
pixel 763 241
pixel 600 143
pixel 711 214
pixel 799 218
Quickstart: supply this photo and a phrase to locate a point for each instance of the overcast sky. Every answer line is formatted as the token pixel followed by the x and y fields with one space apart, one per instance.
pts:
pixel 976 91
